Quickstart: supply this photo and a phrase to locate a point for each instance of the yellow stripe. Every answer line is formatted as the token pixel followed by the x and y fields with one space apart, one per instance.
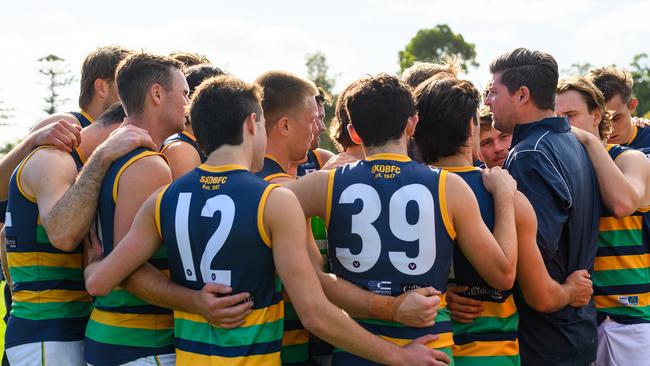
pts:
pixel 256 317
pixel 190 359
pixel 459 169
pixel 635 130
pixel 82 157
pixel 622 262
pixel 396 157
pixel 221 168
pixel 157 209
pixel 330 190
pixel 88 117
pixel 138 321
pixel 443 204
pixel 293 337
pixel 20 171
pixel 444 340
pixel 269 178
pixel 28 259
pixel 141 155
pixel 318 158
pixel 609 147
pixel 487 349
pixel 191 137
pixel 276 161
pixel 51 296
pixel 260 215
pixel 612 301
pixel 626 223
pixel 644 209
pixel 499 310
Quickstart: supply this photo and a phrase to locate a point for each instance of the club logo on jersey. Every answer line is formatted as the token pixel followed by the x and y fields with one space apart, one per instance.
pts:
pixel 11 242
pixel 412 266
pixel 406 287
pixel 386 171
pixel 356 264
pixel 629 300
pixel 484 292
pixel 380 287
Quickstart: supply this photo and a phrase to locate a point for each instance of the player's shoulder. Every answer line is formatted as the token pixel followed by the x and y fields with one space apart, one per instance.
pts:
pixel 54 118
pixel 48 158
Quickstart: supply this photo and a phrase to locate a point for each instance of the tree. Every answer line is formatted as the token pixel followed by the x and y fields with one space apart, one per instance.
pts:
pixel 640 70
pixel 58 77
pixel 434 44
pixel 577 69
pixel 318 72
pixel 5 114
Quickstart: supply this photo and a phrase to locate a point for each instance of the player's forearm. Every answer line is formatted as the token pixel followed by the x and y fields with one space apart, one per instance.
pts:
pixel 616 191
pixel 345 295
pixel 541 291
pixel 10 161
pixel 152 286
pixel 505 233
pixel 70 219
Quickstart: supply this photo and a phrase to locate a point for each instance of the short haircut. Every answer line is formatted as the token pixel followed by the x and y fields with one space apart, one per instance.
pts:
pixel 137 73
pixel 99 64
pixel 115 114
pixel 485 117
pixel 338 130
pixel 445 107
pixel 219 108
pixel 593 98
pixel 612 81
pixel 283 93
pixel 197 73
pixel 379 108
pixel 189 59
pixel 419 72
pixel 323 98
pixel 533 69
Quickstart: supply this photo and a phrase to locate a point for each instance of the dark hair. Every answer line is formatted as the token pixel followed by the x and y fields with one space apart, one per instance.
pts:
pixel 113 115
pixel 189 59
pixel 445 107
pixel 137 73
pixel 593 98
pixel 420 71
pixel 219 108
pixel 611 80
pixel 379 108
pixel 99 64
pixel 323 98
pixel 533 69
pixel 197 73
pixel 283 92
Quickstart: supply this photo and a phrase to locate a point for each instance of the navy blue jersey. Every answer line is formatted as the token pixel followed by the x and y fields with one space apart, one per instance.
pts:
pixel 211 222
pixel 84 118
pixel 272 169
pixel 389 232
pixel 3 210
pixel 640 138
pixel 554 172
pixel 312 164
pixel 183 137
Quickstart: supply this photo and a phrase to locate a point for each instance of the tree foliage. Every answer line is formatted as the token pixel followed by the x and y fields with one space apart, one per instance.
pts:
pixel 318 72
pixel 58 77
pixel 640 69
pixel 434 44
pixel 577 69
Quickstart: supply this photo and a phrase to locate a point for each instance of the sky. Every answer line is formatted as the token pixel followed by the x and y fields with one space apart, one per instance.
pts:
pixel 248 38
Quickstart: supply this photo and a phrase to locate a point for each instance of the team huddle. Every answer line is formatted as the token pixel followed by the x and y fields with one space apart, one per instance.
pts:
pixel 184 216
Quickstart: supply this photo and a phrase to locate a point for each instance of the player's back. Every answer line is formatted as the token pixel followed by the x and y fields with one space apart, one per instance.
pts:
pixel 211 221
pixel 491 338
pixel 640 138
pixel 389 232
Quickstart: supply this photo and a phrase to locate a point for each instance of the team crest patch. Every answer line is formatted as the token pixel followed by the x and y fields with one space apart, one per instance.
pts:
pixel 629 300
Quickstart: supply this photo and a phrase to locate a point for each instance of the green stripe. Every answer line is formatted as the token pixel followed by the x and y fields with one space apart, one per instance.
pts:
pixel 295 353
pixel 51 310
pixel 446 350
pixel 278 283
pixel 161 253
pixel 443 315
pixel 621 277
pixel 487 361
pixel 290 312
pixel 488 324
pixel 119 298
pixel 642 312
pixel 620 238
pixel 318 228
pixel 41 235
pixel 134 337
pixel 243 336
pixel 42 273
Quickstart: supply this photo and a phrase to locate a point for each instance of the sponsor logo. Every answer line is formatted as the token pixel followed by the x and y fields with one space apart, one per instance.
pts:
pixel 629 300
pixel 380 287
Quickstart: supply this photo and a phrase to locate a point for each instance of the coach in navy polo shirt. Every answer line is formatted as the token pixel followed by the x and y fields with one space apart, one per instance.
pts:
pixel 553 170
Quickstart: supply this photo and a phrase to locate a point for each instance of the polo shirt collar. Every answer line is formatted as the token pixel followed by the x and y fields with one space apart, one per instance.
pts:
pixel 555 124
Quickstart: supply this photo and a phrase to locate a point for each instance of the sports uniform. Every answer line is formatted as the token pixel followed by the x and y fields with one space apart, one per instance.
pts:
pixel 183 137
pixel 205 220
pixel 640 138
pixel 84 118
pixel 389 232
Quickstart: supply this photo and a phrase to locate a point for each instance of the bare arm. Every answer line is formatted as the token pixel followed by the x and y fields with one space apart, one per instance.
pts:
pixel 315 311
pixel 182 158
pixel 70 218
pixel 619 194
pixel 493 256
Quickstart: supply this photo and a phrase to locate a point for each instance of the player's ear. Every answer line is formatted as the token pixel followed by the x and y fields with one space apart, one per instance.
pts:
pixel 100 87
pixel 632 105
pixel 353 135
pixel 155 92
pixel 522 95
pixel 411 124
pixel 283 125
pixel 249 123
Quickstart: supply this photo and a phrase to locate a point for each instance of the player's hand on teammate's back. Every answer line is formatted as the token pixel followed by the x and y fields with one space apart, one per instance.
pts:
pixel 462 309
pixel 420 354
pixel 580 288
pixel 123 140
pixel 60 134
pixel 418 308
pixel 640 122
pixel 582 135
pixel 221 309
pixel 497 180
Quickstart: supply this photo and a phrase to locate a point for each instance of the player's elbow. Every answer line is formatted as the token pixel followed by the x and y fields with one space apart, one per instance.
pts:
pixel 623 208
pixel 96 287
pixel 63 241
pixel 313 323
pixel 543 304
pixel 504 281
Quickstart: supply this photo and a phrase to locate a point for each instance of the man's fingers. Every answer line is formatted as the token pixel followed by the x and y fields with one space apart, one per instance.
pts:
pixel 427 291
pixel 230 325
pixel 425 339
pixel 234 299
pixel 235 319
pixel 441 357
pixel 235 311
pixel 465 309
pixel 217 288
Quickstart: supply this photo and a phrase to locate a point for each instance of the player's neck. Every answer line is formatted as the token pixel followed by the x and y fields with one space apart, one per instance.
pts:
pixel 151 125
pixel 356 151
pixel 230 155
pixel 531 115
pixel 280 153
pixel 393 147
pixel 460 159
pixel 94 109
